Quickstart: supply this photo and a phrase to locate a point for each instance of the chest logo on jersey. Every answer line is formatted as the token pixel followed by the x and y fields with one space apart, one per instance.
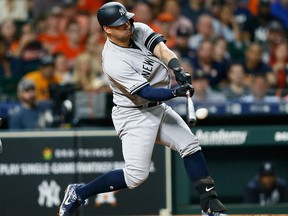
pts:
pixel 147 66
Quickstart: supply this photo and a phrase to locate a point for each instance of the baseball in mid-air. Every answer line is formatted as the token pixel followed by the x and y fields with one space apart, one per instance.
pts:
pixel 201 113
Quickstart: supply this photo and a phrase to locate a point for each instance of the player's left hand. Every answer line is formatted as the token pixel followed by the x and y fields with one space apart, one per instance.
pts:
pixel 181 76
pixel 182 90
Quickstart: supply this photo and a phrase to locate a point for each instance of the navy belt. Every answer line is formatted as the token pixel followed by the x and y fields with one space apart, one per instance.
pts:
pixel 148 105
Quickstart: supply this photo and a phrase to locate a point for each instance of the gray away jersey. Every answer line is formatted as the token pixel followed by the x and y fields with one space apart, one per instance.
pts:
pixel 129 69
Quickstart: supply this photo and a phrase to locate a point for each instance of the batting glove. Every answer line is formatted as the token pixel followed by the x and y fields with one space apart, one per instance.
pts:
pixel 182 90
pixel 181 76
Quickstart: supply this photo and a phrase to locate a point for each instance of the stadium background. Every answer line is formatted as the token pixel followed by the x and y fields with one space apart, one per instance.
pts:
pixel 263 125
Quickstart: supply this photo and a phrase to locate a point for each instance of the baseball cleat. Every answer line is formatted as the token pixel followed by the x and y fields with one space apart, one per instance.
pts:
pixel 213 214
pixel 215 208
pixel 71 201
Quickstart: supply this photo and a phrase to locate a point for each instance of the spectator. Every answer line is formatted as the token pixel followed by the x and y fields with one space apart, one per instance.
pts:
pixel 44 77
pixel 173 7
pixel 255 28
pixel 182 42
pixel 89 6
pixel 157 7
pixel 84 77
pixel 8 31
pixel 240 11
pixel 253 64
pixel 11 70
pixel 40 7
pixel 203 92
pixel 143 13
pixel 204 61
pixel 266 188
pixel 220 53
pixel 26 36
pixel 276 36
pixel 95 30
pixel 164 22
pixel 237 87
pixel 280 69
pixel 94 49
pixel 226 26
pixel 70 14
pixel 192 9
pixel 61 68
pixel 72 46
pixel 52 35
pixel 279 8
pixel 259 91
pixel 13 9
pixel 238 46
pixel 205 31
pixel 9 65
pixel 29 114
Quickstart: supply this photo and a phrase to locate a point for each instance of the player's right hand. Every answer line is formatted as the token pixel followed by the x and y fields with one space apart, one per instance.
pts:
pixel 182 90
pixel 181 76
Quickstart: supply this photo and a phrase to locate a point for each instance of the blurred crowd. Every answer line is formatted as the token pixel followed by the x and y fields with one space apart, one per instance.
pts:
pixel 234 50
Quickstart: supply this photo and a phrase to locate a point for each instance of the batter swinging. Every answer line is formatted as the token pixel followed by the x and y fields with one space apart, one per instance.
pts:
pixel 136 61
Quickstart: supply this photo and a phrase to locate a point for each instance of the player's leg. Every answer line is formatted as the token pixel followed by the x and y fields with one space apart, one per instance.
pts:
pixel 175 133
pixel 137 130
pixel 137 146
pixel 76 194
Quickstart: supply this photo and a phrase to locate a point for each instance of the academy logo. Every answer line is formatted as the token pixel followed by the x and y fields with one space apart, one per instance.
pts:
pixel 49 194
pixel 122 11
pixel 222 137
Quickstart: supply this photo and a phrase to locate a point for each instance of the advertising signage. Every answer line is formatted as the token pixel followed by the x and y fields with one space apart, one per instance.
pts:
pixel 34 171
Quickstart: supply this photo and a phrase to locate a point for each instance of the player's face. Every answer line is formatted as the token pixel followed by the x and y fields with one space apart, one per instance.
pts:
pixel 120 34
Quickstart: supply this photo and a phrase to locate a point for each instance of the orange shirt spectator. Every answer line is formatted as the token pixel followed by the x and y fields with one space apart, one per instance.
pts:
pixel 52 36
pixel 143 13
pixel 49 41
pixel 27 35
pixel 43 78
pixel 164 22
pixel 73 45
pixel 70 14
pixel 89 6
pixel 253 7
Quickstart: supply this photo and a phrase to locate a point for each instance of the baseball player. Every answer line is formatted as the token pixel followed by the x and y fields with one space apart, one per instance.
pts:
pixel 136 61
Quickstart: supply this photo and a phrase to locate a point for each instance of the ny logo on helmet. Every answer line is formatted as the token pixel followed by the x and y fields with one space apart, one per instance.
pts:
pixel 121 11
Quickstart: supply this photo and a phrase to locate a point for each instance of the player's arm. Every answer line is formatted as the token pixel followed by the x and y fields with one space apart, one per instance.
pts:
pixel 161 94
pixel 170 59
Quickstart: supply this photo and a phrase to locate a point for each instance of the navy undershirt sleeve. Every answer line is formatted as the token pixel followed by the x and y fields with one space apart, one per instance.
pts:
pixel 155 94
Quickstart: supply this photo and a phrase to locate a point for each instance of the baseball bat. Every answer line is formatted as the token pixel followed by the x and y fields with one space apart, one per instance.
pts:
pixel 191 118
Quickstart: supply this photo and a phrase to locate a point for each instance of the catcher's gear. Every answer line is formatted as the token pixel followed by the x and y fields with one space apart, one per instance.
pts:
pixel 182 90
pixel 113 14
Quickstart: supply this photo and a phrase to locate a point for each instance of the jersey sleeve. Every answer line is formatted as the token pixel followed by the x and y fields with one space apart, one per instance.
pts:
pixel 130 80
pixel 148 36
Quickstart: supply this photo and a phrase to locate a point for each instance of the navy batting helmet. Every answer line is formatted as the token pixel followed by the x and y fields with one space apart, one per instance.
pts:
pixel 113 14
